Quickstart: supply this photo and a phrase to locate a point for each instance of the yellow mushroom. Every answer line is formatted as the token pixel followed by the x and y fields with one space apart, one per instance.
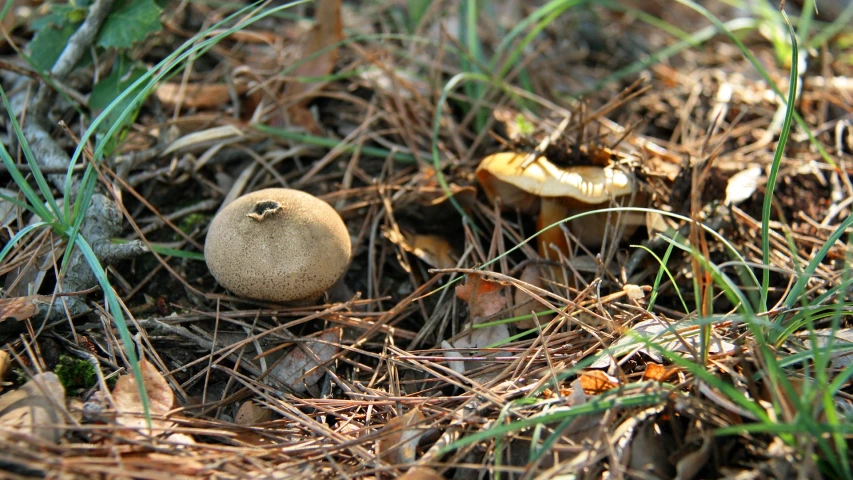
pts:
pixel 558 192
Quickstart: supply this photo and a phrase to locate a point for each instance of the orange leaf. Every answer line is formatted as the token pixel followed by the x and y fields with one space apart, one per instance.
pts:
pixel 483 296
pixel 596 382
pixel 658 372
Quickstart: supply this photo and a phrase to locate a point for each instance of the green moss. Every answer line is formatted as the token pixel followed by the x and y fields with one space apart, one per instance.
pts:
pixel 193 221
pixel 75 373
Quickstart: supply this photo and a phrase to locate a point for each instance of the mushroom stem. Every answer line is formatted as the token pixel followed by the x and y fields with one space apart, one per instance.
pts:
pixel 551 210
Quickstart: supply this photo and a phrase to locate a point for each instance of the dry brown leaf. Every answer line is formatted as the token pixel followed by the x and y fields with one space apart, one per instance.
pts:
pixel 457 366
pixel 35 409
pixel 197 95
pixel 484 297
pixel 250 413
pixel 658 372
pixel 130 412
pixel 20 308
pixel 649 450
pixel 525 304
pixel 434 250
pixel 483 337
pixel 400 436
pixel 596 382
pixel 327 31
pixel 299 369
pixel 690 464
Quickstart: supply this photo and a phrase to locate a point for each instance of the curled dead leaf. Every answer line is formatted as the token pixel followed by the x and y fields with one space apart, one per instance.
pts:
pixel 20 308
pixel 484 297
pixel 524 303
pixel 658 372
pixel 596 382
pixel 197 95
pixel 434 250
pixel 129 407
pixel 250 413
pixel 400 436
pixel 299 369
pixel 36 409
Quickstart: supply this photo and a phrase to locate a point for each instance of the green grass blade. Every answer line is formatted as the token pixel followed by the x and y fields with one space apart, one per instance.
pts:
pixel 761 71
pixel 35 169
pixel 774 168
pixel 18 236
pixel 331 143
pixel 118 317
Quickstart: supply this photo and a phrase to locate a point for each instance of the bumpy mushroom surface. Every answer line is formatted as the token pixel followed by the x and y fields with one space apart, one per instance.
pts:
pixel 277 244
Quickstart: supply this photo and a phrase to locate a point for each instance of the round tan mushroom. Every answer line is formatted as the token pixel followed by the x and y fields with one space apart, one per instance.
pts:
pixel 277 244
pixel 556 193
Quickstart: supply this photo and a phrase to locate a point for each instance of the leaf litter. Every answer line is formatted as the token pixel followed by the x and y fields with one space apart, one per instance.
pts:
pixel 342 387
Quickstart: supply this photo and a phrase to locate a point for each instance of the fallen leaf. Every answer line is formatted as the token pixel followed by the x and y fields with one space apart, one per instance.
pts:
pixel 250 413
pixel 299 369
pixel 658 372
pixel 524 303
pixel 625 435
pixel 649 451
pixel 483 337
pixel 658 333
pixel 742 185
pixel 395 82
pixel 840 359
pixel 434 250
pixel 690 464
pixel 399 438
pixel 203 138
pixel 484 297
pixel 129 408
pixel 596 382
pixel 197 95
pixel 326 32
pixel 35 409
pixel 457 366
pixel 8 210
pixel 20 308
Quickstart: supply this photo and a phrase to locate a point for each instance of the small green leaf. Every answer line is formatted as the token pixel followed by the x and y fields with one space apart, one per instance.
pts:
pixel 49 42
pixel 125 72
pixel 60 15
pixel 524 127
pixel 129 22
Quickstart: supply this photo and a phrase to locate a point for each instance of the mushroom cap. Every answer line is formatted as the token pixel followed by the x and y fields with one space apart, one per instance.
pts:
pixel 501 176
pixel 277 244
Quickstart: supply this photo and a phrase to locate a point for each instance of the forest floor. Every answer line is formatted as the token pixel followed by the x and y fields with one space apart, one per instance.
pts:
pixel 696 326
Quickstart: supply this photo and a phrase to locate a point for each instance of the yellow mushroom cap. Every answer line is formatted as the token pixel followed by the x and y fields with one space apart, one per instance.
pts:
pixel 501 175
pixel 277 244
